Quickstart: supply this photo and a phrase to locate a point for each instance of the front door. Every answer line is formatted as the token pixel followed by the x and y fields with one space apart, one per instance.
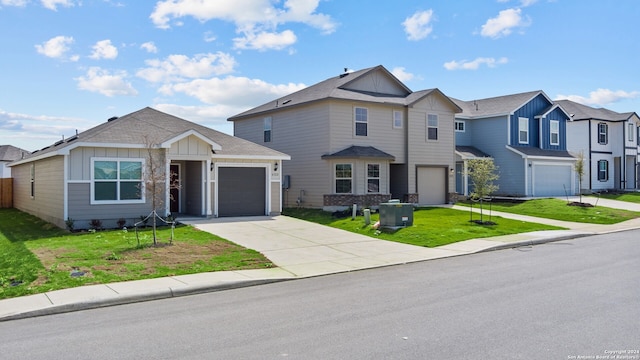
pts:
pixel 174 188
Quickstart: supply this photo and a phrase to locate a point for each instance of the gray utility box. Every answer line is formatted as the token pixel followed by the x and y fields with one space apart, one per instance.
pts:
pixel 396 214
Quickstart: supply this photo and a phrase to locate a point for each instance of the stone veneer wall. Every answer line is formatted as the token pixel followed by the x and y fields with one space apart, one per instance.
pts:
pixel 360 200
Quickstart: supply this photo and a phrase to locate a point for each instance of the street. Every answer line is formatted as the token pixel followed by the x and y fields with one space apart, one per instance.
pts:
pixel 562 300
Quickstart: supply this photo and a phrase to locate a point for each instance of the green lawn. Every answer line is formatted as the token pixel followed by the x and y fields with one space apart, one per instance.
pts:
pixel 36 256
pixel 633 197
pixel 431 226
pixel 559 210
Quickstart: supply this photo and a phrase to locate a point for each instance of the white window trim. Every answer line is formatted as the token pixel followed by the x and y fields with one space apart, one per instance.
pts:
pixel 526 129
pixel 268 120
pixel 631 135
pixel 378 178
pixel 551 132
pixel 464 125
pixel 606 178
pixel 434 127
pixel 336 178
pixel 605 133
pixel 401 117
pixel 116 202
pixel 355 121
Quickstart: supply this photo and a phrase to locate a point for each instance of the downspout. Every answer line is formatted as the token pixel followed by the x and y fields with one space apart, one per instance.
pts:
pixel 65 189
pixel 590 168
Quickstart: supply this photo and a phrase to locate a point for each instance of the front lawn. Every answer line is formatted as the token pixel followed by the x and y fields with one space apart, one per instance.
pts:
pixel 633 197
pixel 36 256
pixel 559 210
pixel 431 226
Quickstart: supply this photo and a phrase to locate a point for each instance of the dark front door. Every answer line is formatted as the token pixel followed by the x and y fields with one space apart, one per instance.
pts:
pixel 174 189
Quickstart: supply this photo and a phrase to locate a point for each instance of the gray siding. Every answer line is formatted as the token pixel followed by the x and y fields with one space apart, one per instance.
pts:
pixel 80 159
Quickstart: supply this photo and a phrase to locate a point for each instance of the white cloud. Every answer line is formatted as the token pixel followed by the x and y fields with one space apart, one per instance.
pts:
pixel 150 47
pixel 475 64
pixel 106 83
pixel 418 26
pixel 401 74
pixel 231 90
pixel 601 97
pixel 265 40
pixel 104 50
pixel 53 4
pixel 19 3
pixel 209 36
pixel 56 47
pixel 504 23
pixel 525 3
pixel 180 67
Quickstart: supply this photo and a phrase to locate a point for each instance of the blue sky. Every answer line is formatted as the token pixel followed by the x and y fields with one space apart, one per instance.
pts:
pixel 72 64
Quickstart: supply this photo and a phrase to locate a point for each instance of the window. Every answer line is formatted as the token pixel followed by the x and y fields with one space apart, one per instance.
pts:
pixel 117 181
pixel 603 170
pixel 33 180
pixel 361 115
pixel 373 178
pixel 459 126
pixel 630 135
pixel 267 129
pixel 397 120
pixel 603 137
pixel 432 127
pixel 343 178
pixel 523 130
pixel 554 132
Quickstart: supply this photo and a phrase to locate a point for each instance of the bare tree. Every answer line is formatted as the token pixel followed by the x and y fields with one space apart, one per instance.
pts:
pixel 579 169
pixel 482 173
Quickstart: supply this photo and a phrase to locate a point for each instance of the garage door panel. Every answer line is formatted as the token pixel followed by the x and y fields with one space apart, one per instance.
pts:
pixel 551 180
pixel 241 191
pixel 432 189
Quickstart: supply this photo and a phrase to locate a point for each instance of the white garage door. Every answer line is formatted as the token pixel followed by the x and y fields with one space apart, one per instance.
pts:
pixel 432 188
pixel 552 180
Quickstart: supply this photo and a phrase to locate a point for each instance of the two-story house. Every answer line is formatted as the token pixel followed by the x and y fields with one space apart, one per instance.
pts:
pixel 9 153
pixel 525 134
pixel 608 141
pixel 360 138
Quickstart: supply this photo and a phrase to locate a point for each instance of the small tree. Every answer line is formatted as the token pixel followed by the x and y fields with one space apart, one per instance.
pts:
pixel 579 169
pixel 482 172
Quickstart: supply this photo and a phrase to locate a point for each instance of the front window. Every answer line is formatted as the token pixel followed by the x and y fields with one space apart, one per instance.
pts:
pixel 432 127
pixel 397 120
pixel 523 130
pixel 373 178
pixel 630 135
pixel 603 136
pixel 343 178
pixel 459 126
pixel 267 129
pixel 554 128
pixel 361 117
pixel 603 170
pixel 117 181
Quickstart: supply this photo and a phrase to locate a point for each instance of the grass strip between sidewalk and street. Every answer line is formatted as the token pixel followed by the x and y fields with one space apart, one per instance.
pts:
pixel 432 226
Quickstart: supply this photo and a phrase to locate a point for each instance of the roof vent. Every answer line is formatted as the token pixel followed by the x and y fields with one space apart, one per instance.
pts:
pixel 112 118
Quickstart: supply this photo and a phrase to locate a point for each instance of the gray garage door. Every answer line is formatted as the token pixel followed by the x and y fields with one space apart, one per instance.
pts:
pixel 241 191
pixel 551 180
pixel 432 189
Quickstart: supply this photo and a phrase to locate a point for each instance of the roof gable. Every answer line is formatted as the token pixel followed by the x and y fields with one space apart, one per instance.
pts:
pixel 579 112
pixel 376 80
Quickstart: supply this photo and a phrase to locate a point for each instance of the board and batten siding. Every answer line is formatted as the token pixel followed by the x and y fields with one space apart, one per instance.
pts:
pixel 48 200
pixel 378 82
pixel 545 130
pixel 303 133
pixel 529 111
pixel 190 146
pixel 80 159
pixel 578 142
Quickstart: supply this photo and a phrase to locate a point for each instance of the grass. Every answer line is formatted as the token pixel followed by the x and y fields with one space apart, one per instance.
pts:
pixel 431 226
pixel 36 256
pixel 559 210
pixel 633 197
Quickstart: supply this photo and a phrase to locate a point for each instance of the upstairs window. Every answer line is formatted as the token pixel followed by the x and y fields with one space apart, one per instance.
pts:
pixel 397 119
pixel 554 132
pixel 603 133
pixel 373 178
pixel 343 178
pixel 432 127
pixel 523 130
pixel 361 116
pixel 459 126
pixel 630 135
pixel 603 170
pixel 267 129
pixel 117 181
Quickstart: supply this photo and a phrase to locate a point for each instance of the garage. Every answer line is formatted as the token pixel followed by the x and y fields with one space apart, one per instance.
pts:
pixel 432 186
pixel 241 191
pixel 552 180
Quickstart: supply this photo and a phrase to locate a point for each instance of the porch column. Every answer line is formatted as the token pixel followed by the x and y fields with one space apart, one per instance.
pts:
pixel 207 192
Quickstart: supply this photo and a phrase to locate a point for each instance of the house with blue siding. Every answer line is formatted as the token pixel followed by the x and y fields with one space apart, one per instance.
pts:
pixel 525 134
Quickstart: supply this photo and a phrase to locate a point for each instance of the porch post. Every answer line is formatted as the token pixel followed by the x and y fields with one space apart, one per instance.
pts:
pixel 207 191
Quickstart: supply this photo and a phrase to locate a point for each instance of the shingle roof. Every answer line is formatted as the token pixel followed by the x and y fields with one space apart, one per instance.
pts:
pixel 11 153
pixel 335 88
pixel 534 151
pixel 499 105
pixel 584 112
pixel 354 152
pixel 158 127
pixel 470 152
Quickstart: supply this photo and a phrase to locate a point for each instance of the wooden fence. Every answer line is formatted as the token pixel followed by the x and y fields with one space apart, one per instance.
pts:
pixel 6 193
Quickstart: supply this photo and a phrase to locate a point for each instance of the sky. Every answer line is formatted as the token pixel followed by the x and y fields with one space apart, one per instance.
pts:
pixel 69 65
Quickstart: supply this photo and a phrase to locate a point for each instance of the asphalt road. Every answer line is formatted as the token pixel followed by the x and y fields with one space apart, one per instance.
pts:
pixel 563 300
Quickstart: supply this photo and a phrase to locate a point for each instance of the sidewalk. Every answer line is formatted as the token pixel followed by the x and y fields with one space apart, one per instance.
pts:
pixel 300 249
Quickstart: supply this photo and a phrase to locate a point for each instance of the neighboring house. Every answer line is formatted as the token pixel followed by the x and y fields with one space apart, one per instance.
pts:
pixel 525 134
pixel 360 138
pixel 9 153
pixel 100 173
pixel 609 143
